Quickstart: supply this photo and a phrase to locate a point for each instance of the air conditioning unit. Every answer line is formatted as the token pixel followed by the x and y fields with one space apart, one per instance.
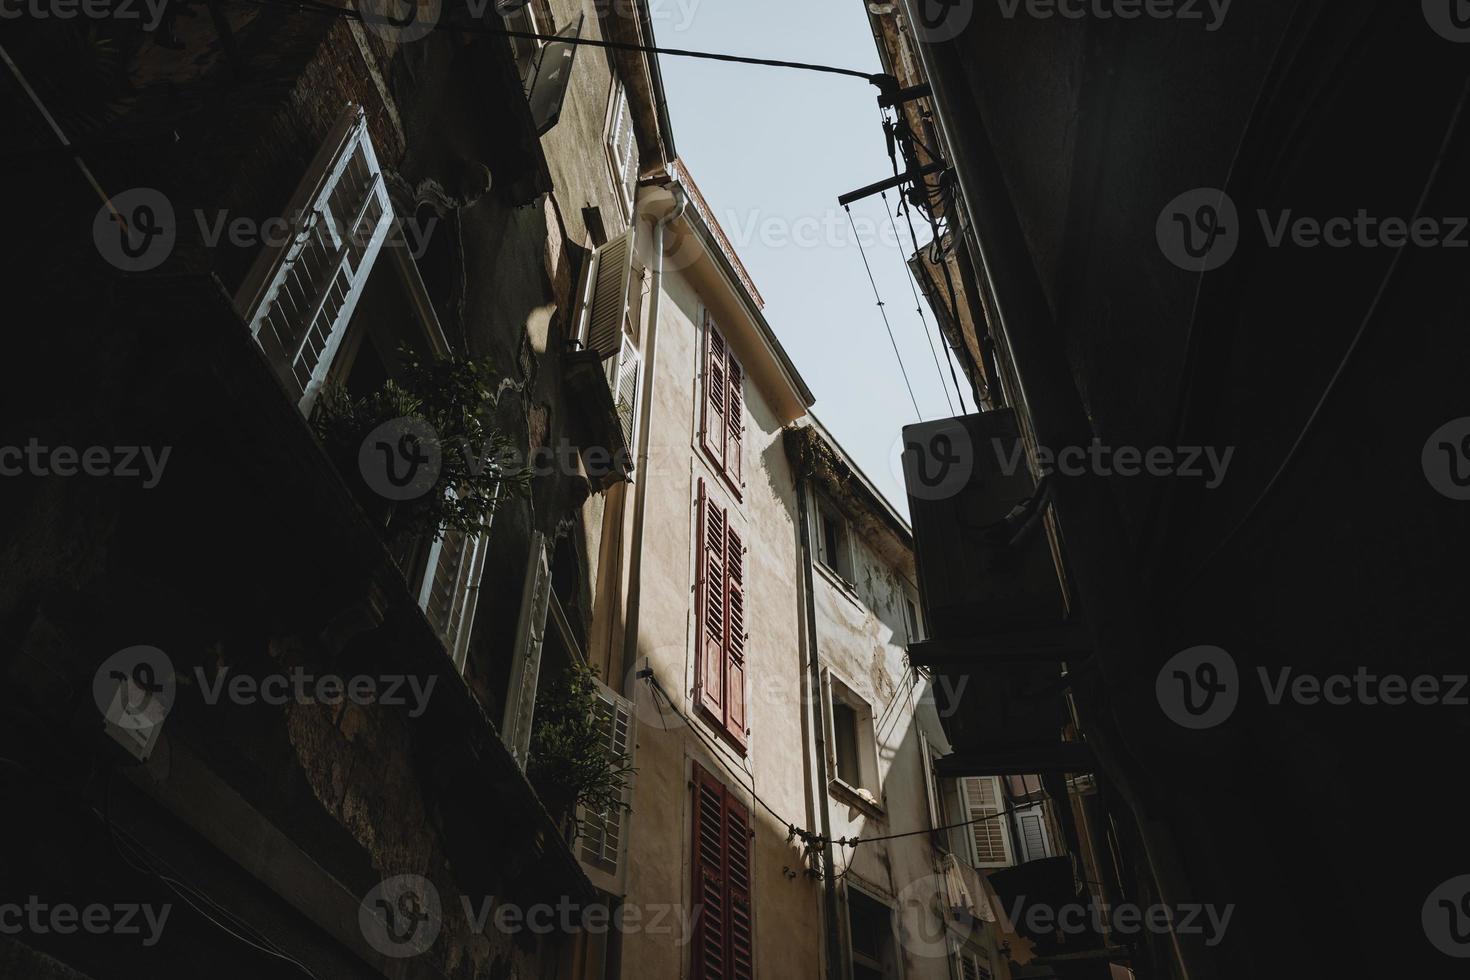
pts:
pixel 984 540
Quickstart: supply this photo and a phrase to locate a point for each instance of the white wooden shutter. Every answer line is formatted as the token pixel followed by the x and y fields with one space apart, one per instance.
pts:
pixel 970 968
pixel 983 804
pixel 450 591
pixel 608 296
pixel 623 144
pixel 299 296
pixel 931 794
pixel 1035 843
pixel 622 378
pixel 520 697
pixel 605 833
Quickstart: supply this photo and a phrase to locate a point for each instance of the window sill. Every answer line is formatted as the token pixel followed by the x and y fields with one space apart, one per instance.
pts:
pixel 841 790
pixel 722 733
pixel 842 585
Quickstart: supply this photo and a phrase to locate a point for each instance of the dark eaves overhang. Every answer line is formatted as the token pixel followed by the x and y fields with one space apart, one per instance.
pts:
pixel 810 445
pixel 643 78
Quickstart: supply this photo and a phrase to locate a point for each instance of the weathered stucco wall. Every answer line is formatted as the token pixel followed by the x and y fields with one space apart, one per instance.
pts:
pixel 786 914
pixel 861 639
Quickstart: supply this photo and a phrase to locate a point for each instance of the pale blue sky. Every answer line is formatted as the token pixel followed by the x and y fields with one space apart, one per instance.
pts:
pixel 771 149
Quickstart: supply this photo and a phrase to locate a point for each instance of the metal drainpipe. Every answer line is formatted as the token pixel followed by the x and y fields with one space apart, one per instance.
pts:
pixel 645 414
pixel 829 880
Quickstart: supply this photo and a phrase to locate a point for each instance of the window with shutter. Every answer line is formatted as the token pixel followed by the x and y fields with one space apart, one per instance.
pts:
pixel 970 968
pixel 622 378
pixel 450 590
pixel 520 696
pixel 711 584
pixel 299 295
pixel 622 147
pixel 982 800
pixel 1034 841
pixel 721 618
pixel 608 297
pixel 722 422
pixel 735 636
pixel 605 833
pixel 724 937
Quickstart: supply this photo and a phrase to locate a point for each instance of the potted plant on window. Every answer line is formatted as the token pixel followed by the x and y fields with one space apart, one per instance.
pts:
pixel 421 453
pixel 571 761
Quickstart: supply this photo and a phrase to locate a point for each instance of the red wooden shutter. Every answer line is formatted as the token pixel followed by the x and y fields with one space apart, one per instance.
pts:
pixel 713 579
pixel 724 939
pixel 735 638
pixel 734 420
pixel 715 391
pixel 741 945
pixel 710 911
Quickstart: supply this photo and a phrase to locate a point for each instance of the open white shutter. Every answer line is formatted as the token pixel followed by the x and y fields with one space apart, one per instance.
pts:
pixel 1035 842
pixel 300 294
pixel 983 805
pixel 926 766
pixel 623 147
pixel 520 697
pixel 609 294
pixel 622 378
pixel 450 591
pixel 605 834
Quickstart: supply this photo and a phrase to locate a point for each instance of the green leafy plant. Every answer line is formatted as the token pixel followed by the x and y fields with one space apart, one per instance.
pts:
pixel 477 465
pixel 571 762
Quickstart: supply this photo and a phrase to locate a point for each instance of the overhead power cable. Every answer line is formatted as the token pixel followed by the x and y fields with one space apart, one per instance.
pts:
pixel 919 308
pixel 948 353
pixel 319 6
pixel 659 692
pixel 887 326
pixel 807 835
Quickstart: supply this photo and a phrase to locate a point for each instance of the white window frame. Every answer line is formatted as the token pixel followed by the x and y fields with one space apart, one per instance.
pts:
pixel 894 944
pixel 620 143
pixel 979 970
pixel 469 553
pixel 865 739
pixel 526 19
pixel 1001 821
pixel 317 270
pixel 822 509
pixel 607 864
pixel 520 691
pixel 913 615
